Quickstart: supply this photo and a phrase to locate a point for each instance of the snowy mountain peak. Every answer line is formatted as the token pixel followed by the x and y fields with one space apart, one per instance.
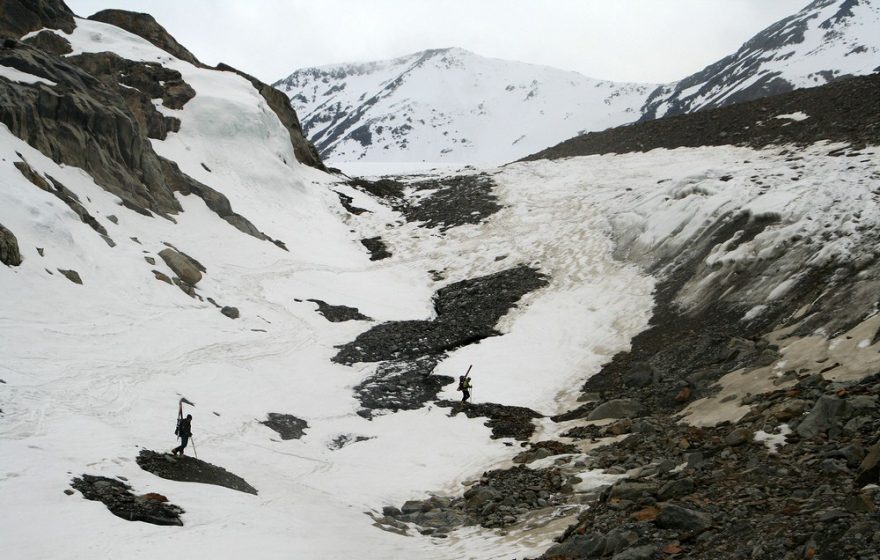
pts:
pixel 452 105
pixel 825 41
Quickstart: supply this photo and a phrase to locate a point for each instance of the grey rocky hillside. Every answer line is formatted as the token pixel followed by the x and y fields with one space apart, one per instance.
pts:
pixel 796 476
pixel 779 59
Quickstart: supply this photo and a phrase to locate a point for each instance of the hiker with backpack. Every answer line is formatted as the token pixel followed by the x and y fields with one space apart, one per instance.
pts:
pixel 464 385
pixel 184 432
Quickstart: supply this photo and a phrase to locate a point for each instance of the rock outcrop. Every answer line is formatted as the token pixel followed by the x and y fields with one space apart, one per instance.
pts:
pixel 182 265
pixel 9 253
pixel 189 469
pixel 117 496
pixel 19 17
pixel 304 151
pixel 145 26
pixel 287 425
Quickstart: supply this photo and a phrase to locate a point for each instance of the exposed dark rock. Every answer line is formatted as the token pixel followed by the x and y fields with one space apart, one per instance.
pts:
pixel 214 200
pixel 19 17
pixel 9 253
pixel 843 111
pixel 231 312
pixel 617 408
pixel 505 421
pixel 344 440
pixel 544 449
pixel 183 266
pixel 68 197
pixel 466 313
pixel 347 204
pixel 145 26
pixel 339 313
pixel 71 275
pixel 287 425
pixel 304 150
pixel 498 500
pixel 400 385
pixel 455 201
pixel 452 201
pixel 828 413
pixel 869 469
pixel 189 469
pixel 117 496
pixel 388 189
pixel 684 519
pixel 50 42
pixel 377 248
pixel 163 277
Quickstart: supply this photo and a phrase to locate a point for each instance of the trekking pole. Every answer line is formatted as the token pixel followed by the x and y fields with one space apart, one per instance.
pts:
pixel 196 453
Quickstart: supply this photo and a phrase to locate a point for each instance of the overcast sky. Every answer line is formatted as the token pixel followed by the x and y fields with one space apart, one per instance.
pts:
pixel 621 40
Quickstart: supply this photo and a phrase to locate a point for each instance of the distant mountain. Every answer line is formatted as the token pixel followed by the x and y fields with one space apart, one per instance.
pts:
pixel 452 105
pixel 826 41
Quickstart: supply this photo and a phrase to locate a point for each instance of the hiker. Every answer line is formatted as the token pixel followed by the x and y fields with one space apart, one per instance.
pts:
pixel 464 385
pixel 184 431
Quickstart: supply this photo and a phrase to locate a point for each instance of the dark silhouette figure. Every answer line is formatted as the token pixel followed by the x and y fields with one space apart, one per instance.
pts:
pixel 464 385
pixel 184 431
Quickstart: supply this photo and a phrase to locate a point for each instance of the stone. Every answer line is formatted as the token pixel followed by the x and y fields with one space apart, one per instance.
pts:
pixel 617 408
pixel 641 374
pixel 412 506
pixel 789 409
pixel 478 496
pixel 644 552
pixel 738 436
pixel 9 253
pixel 231 312
pixel 189 469
pixel 287 425
pixel 71 275
pixel 122 503
pixel 589 545
pixel 185 269
pixel 150 260
pixel 162 276
pixel 676 488
pixel 631 490
pixel 683 519
pixel 869 469
pixel 826 413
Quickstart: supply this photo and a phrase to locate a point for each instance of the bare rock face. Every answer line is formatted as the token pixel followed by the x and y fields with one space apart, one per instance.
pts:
pixel 182 266
pixel 304 151
pixel 84 123
pixel 19 17
pixel 144 25
pixel 9 253
pixel 50 42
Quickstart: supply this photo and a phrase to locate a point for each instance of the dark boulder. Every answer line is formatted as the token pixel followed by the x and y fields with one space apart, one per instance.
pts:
pixel 19 17
pixel 683 519
pixel 617 408
pixel 189 469
pixel 287 425
pixel 146 27
pixel 117 496
pixel 184 267
pixel 9 253
pixel 231 312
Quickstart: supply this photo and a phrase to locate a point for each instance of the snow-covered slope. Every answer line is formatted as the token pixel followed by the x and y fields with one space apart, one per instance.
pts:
pixel 825 41
pixel 92 372
pixel 451 105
